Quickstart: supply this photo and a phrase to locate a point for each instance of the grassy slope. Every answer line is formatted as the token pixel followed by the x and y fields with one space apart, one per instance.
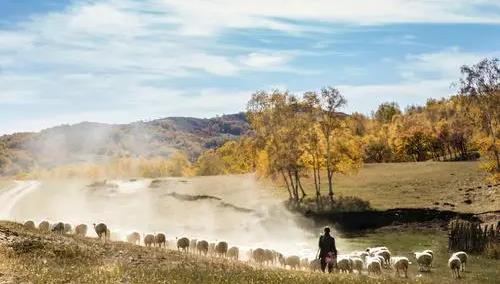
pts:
pixel 36 257
pixel 403 240
pixel 417 185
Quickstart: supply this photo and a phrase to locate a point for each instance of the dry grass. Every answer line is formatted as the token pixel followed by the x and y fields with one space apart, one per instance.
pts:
pixel 30 256
pixel 440 185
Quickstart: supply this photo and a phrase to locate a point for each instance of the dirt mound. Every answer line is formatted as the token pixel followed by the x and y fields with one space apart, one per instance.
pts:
pixel 197 197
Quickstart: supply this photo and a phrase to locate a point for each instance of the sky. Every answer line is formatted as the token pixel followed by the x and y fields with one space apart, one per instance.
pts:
pixel 118 61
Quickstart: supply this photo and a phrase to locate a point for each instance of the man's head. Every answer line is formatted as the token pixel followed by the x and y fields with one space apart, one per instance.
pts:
pixel 327 230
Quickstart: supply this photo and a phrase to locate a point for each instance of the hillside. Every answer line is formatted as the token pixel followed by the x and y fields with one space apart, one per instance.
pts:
pixel 32 256
pixel 91 142
pixel 54 258
pixel 454 186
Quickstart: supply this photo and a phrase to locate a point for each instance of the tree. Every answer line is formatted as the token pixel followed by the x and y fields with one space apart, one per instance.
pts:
pixel 313 144
pixel 278 123
pixel 209 164
pixel 480 85
pixel 329 103
pixel 378 151
pixel 177 164
pixel 386 111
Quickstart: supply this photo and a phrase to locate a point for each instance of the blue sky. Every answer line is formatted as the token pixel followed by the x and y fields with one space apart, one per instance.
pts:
pixel 119 61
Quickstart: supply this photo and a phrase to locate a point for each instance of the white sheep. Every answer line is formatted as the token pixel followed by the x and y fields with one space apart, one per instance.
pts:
pixel 259 256
pixel 400 263
pixel 221 249
pixel 149 240
pixel 375 249
pixel 424 260
pixel 344 264
pixel 463 258
pixel 134 238
pixel 183 244
pixel 202 247
pixel 361 254
pixel 454 264
pixel 357 263
pixel 293 261
pixel 429 252
pixel 373 265
pixel 233 253
pixel 315 265
pixel 102 231
pixel 386 255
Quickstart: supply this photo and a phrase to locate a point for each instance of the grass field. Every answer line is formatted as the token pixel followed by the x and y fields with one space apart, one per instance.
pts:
pixel 36 257
pixel 402 241
pixel 440 185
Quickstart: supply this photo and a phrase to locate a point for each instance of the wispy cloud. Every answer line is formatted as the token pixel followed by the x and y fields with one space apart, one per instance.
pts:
pixel 121 60
pixel 425 75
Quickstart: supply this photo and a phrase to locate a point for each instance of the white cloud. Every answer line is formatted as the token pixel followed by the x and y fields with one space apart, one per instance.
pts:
pixel 426 75
pixel 201 17
pixel 444 64
pixel 114 59
pixel 266 60
pixel 105 19
pixel 365 98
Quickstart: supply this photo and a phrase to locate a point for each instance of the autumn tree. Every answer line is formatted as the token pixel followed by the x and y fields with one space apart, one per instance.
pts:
pixel 209 164
pixel 278 123
pixel 177 164
pixel 330 102
pixel 386 111
pixel 313 145
pixel 480 86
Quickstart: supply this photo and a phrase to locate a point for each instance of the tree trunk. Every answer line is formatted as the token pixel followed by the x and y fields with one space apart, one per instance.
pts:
pixel 294 187
pixel 287 185
pixel 319 185
pixel 494 138
pixel 330 184
pixel 297 181
pixel 316 183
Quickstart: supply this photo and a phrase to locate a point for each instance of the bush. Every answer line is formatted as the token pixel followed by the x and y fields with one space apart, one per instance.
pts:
pixel 339 204
pixel 492 250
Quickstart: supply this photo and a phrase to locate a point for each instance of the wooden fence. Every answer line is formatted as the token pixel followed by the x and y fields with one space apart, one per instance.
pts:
pixel 472 236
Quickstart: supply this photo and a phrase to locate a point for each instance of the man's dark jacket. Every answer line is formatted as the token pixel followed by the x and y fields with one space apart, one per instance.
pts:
pixel 326 245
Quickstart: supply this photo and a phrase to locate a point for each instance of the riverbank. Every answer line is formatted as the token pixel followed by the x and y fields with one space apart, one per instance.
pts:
pixel 373 219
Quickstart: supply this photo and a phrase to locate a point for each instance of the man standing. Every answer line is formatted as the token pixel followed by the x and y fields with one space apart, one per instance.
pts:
pixel 327 250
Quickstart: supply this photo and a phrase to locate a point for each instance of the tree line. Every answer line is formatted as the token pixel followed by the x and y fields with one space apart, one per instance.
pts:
pixel 307 135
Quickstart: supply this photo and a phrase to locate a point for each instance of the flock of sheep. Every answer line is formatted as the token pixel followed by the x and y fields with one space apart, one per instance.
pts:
pixel 373 260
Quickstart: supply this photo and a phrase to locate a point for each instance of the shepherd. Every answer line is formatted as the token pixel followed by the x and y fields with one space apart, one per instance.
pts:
pixel 327 251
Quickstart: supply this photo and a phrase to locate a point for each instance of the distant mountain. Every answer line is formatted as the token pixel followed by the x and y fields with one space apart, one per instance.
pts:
pixel 93 142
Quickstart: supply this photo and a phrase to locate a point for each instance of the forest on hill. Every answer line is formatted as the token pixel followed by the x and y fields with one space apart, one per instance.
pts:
pixel 95 143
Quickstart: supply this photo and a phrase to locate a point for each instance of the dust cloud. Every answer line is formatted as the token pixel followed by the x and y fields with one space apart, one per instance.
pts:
pixel 236 209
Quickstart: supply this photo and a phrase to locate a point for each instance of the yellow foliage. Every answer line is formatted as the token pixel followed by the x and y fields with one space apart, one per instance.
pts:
pixel 176 165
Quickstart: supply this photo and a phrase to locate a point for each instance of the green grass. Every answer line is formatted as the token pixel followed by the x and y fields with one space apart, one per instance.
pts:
pixel 416 185
pixel 402 241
